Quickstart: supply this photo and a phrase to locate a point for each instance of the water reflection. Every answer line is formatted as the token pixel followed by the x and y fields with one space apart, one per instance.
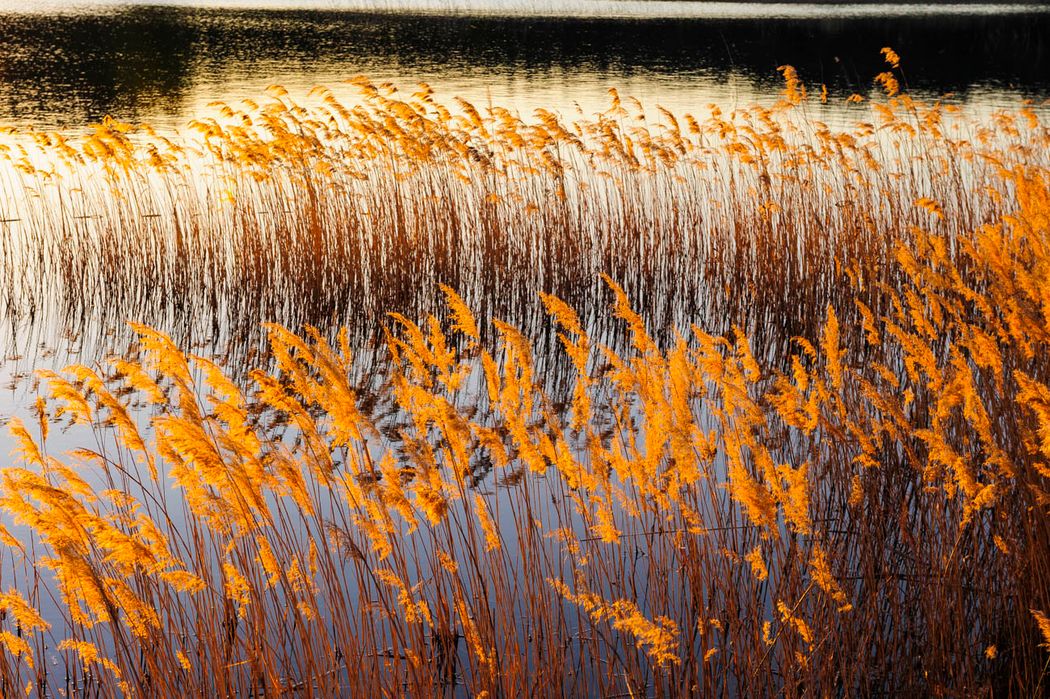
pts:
pixel 160 64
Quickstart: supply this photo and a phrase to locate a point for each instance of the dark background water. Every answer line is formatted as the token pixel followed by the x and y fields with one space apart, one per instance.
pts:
pixel 161 64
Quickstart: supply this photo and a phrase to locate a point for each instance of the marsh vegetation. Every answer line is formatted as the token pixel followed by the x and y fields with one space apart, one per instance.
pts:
pixel 815 461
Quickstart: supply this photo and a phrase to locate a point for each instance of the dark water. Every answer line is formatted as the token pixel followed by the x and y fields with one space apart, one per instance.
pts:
pixel 162 63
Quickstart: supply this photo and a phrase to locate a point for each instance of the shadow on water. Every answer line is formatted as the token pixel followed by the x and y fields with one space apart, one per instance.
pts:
pixel 145 63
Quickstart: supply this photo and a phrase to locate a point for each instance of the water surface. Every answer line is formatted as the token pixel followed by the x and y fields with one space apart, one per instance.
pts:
pixel 78 62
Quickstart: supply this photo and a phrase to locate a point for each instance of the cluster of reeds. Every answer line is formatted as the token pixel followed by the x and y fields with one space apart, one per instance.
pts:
pixel 308 212
pixel 861 509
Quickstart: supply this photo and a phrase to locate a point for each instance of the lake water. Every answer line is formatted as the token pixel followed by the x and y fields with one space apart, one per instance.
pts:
pixel 66 64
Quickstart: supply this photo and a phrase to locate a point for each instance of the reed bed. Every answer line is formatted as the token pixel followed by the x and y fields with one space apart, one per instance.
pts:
pixel 835 484
pixel 323 212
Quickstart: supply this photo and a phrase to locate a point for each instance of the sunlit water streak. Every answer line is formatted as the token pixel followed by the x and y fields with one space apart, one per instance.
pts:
pixel 618 9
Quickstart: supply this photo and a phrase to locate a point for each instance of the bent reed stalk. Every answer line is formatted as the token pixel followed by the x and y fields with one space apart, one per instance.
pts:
pixel 860 510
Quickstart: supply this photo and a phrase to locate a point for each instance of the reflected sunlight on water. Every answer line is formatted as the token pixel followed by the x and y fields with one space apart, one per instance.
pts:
pixel 160 64
pixel 619 9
